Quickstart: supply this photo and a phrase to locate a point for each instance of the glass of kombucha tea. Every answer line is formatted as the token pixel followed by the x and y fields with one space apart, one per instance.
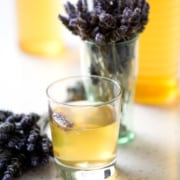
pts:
pixel 84 113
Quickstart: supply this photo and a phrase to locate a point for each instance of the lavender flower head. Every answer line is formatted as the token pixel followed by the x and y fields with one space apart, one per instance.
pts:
pixel 108 21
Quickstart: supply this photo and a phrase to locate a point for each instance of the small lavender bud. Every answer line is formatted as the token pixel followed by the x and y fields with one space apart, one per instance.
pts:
pixel 123 29
pixel 129 3
pixel 64 20
pixel 2 116
pixel 145 9
pixel 73 22
pixel 70 9
pixel 127 13
pixel 136 15
pixel 95 31
pixel 99 38
pixel 7 127
pixel 140 3
pixel 107 21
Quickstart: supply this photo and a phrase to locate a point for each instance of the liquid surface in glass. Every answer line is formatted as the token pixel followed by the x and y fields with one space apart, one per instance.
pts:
pixel 91 139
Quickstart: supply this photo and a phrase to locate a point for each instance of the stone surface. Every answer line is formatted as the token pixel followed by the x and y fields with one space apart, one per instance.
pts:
pixel 153 155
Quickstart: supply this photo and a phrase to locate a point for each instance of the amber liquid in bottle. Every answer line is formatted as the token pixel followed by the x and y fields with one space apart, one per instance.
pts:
pixel 39 29
pixel 157 81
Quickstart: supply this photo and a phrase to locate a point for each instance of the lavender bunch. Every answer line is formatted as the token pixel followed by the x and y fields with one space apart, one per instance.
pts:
pixel 22 145
pixel 108 20
pixel 104 27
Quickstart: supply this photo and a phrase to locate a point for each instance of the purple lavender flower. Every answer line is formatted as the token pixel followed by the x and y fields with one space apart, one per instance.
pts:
pixel 108 20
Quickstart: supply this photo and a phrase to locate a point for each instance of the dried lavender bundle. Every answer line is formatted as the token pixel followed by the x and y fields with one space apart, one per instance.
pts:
pixel 22 145
pixel 109 30
pixel 108 21
pixel 116 61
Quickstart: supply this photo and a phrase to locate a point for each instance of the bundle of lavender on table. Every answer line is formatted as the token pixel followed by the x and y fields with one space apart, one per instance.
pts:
pixel 109 29
pixel 22 146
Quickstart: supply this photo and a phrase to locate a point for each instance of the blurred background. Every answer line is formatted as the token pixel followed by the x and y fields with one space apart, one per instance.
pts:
pixel 36 49
pixel 159 55
pixel 24 75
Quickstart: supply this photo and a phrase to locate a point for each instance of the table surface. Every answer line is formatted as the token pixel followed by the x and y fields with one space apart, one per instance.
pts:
pixel 153 155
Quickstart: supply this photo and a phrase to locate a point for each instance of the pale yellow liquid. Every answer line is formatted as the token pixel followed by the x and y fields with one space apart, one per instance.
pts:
pixel 157 81
pixel 92 142
pixel 38 27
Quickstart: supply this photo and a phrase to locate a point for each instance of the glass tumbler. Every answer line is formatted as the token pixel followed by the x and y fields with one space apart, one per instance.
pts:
pixel 84 121
pixel 118 61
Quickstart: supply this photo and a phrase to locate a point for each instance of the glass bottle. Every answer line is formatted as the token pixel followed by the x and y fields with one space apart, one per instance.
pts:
pixel 39 29
pixel 159 46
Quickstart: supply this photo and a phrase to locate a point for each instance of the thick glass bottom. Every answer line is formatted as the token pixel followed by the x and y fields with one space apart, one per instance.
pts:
pixel 125 138
pixel 71 173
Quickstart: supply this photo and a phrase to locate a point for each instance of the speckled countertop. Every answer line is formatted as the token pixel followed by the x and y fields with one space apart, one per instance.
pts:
pixel 153 155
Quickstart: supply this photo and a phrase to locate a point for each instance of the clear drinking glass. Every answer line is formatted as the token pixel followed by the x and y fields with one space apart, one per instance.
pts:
pixel 118 61
pixel 84 116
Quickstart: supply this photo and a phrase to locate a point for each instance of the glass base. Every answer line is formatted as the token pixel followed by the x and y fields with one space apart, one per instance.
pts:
pixel 129 136
pixel 69 173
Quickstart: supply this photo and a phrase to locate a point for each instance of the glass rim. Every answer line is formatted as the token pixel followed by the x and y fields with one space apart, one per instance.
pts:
pixel 133 39
pixel 117 96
